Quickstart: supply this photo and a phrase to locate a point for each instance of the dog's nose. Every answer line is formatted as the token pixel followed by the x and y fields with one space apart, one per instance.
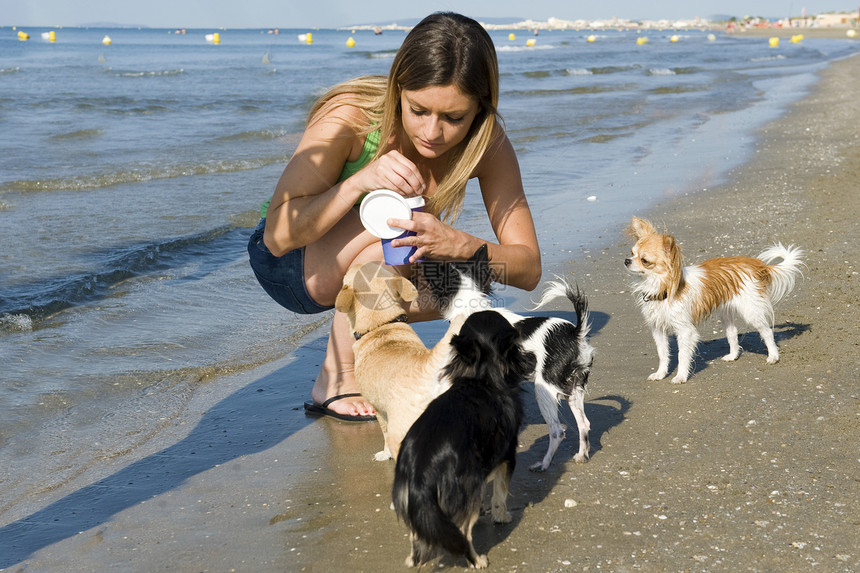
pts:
pixel 627 262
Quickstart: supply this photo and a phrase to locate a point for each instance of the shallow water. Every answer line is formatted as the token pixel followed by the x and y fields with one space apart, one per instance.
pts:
pixel 131 177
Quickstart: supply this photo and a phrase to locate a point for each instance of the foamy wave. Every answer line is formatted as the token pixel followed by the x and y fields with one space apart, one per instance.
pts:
pixel 144 74
pixel 16 323
pixel 526 48
pixel 14 70
pixel 578 72
pixel 137 175
pixel 661 72
pixel 768 58
pixel 385 55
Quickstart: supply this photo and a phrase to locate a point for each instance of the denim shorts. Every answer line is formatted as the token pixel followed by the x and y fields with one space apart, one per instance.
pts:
pixel 283 278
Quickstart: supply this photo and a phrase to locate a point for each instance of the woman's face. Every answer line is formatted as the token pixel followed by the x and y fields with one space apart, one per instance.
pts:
pixel 437 118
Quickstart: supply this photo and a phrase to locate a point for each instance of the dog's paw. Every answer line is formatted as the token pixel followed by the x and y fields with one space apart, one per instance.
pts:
pixel 580 458
pixel 481 562
pixel 537 468
pixel 659 375
pixel 410 561
pixel 679 379
pixel 730 357
pixel 382 456
pixel 773 359
pixel 501 515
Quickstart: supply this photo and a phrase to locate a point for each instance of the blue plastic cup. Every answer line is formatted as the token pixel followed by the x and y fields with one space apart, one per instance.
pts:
pixel 381 205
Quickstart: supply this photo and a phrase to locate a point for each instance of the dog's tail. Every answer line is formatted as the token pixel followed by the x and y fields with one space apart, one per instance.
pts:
pixel 562 288
pixel 419 507
pixel 782 273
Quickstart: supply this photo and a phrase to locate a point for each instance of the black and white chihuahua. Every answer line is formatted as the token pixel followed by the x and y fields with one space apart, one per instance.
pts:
pixel 466 437
pixel 563 354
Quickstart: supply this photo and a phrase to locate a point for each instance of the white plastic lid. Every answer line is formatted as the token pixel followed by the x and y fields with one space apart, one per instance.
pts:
pixel 379 206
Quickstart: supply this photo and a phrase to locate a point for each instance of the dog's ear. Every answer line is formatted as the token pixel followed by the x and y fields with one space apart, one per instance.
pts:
pixel 405 288
pixel 466 350
pixel 483 274
pixel 640 228
pixel 518 361
pixel 676 271
pixel 345 299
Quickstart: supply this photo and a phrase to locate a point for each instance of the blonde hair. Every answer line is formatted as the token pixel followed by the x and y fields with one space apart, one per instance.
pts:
pixel 443 49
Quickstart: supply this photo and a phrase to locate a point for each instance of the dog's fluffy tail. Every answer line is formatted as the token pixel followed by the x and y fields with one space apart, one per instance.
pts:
pixel 782 273
pixel 561 288
pixel 419 508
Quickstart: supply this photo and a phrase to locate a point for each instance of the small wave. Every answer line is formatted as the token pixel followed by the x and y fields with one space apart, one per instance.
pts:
pixel 661 72
pixel 124 106
pixel 612 69
pixel 265 134
pixel 581 90
pixel 674 90
pixel 606 137
pixel 538 74
pixel 25 310
pixel 16 323
pixel 381 55
pixel 578 72
pixel 768 58
pixel 137 175
pixel 144 74
pixel 4 71
pixel 525 48
pixel 79 134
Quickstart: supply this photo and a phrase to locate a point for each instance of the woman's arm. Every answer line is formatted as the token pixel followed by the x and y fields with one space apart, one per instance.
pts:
pixel 515 259
pixel 307 202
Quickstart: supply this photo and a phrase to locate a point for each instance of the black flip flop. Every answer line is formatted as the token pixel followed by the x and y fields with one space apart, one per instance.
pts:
pixel 323 409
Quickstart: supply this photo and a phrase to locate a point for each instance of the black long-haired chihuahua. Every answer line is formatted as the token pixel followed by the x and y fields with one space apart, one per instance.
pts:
pixel 465 437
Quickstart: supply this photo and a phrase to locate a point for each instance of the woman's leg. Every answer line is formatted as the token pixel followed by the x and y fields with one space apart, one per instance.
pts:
pixel 326 263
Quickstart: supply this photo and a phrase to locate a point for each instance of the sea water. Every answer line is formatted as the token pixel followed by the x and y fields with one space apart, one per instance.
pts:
pixel 131 176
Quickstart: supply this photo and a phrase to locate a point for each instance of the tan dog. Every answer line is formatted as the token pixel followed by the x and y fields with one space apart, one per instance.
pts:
pixel 393 369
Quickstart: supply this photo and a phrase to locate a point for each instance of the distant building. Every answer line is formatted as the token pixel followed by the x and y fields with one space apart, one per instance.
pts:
pixel 836 20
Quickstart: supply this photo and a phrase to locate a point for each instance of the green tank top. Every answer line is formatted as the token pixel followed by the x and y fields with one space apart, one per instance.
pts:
pixel 350 168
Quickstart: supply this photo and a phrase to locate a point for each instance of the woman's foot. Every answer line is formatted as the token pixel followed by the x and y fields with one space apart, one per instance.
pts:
pixel 337 377
pixel 342 395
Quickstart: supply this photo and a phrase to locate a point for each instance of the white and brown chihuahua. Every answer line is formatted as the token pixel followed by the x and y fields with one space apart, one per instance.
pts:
pixel 677 298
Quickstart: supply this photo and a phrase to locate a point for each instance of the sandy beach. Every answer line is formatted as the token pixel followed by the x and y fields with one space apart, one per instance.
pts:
pixel 747 467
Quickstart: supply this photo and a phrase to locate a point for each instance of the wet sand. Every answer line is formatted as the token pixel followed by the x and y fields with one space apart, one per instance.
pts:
pixel 747 467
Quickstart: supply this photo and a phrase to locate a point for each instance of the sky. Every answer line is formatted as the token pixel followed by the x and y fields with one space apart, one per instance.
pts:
pixel 342 13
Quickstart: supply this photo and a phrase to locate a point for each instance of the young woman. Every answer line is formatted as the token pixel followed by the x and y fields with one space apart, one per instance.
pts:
pixel 426 129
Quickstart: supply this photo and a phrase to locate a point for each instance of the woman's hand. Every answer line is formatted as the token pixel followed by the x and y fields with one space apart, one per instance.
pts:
pixel 392 171
pixel 433 238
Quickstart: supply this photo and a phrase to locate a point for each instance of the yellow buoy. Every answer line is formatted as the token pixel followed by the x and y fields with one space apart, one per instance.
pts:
pixel 309 38
pixel 641 40
pixel 797 38
pixel 106 40
pixel 591 38
pixel 23 36
pixel 350 43
pixel 851 33
pixel 531 42
pixel 52 36
pixel 512 37
pixel 216 38
pixel 712 38
pixel 773 42
pixel 674 38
